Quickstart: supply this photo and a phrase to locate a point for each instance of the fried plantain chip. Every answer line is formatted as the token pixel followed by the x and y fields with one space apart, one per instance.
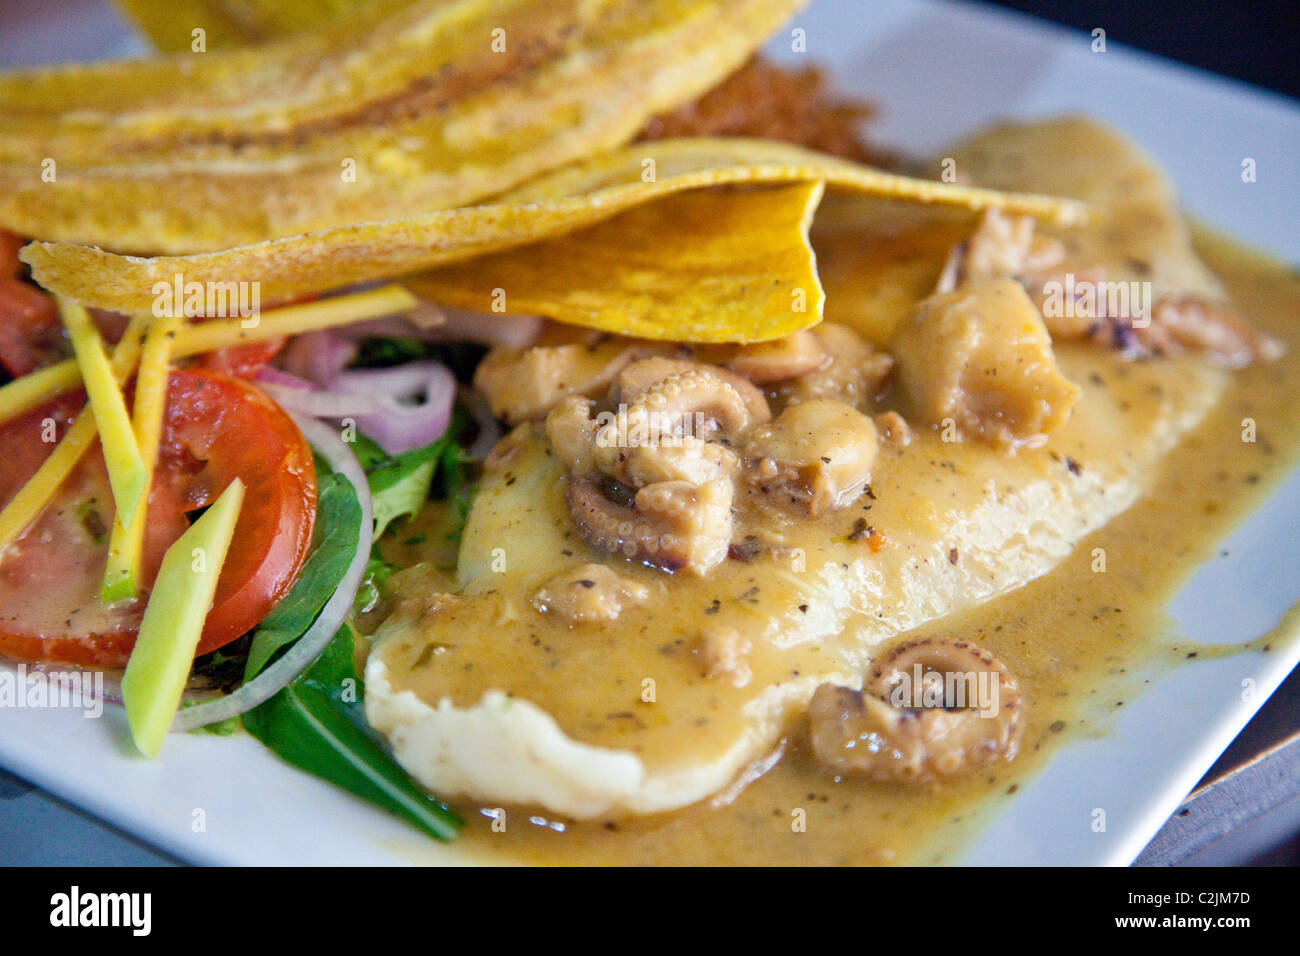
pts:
pixel 441 104
pixel 556 204
pixel 703 266
pixel 170 23
pixel 346 67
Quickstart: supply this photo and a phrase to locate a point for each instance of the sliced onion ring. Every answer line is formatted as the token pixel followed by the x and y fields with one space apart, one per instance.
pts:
pixel 308 647
pixel 318 356
pixel 509 330
pixel 270 375
pixel 401 408
pixel 319 403
pixel 397 426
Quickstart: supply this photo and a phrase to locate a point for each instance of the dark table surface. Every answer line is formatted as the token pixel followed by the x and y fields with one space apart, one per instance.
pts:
pixel 1253 41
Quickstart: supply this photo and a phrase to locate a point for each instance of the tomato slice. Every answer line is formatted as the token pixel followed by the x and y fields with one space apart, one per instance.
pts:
pixel 245 361
pixel 216 428
pixel 30 332
pixel 241 361
pixel 11 267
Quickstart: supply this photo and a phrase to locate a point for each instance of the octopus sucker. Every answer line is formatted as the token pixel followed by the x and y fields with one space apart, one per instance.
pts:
pixel 673 525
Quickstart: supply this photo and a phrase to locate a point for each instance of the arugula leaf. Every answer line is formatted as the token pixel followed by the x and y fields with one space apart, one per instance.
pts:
pixel 338 523
pixel 372 583
pixel 368 452
pixel 316 723
pixel 401 484
pixel 399 490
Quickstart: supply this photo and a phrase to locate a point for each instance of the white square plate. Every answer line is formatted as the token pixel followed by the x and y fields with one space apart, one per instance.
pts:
pixel 937 70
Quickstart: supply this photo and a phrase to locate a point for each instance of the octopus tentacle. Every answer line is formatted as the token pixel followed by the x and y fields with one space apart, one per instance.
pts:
pixel 904 725
pixel 664 456
pixel 673 525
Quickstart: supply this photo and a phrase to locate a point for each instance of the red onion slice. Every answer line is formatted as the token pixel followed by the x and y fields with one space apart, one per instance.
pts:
pixel 490 328
pixel 401 408
pixel 318 356
pixel 399 425
pixel 323 404
pixel 270 375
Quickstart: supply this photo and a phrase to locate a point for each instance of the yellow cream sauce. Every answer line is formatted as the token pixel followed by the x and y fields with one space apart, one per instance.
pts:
pixel 1071 636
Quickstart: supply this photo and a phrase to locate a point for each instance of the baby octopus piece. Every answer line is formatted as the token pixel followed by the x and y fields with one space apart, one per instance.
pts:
pixel 653 480
pixel 673 525
pixel 1212 328
pixel 1002 245
pixel 856 372
pixel 970 715
pixel 590 593
pixel 640 377
pixel 677 427
pixel 524 384
pixel 980 358
pixel 816 455
pixel 1005 246
pixel 780 359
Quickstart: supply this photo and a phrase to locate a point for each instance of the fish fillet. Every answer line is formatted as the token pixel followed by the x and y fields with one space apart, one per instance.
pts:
pixel 481 695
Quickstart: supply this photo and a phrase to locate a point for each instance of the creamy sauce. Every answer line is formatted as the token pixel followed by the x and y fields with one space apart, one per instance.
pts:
pixel 1072 637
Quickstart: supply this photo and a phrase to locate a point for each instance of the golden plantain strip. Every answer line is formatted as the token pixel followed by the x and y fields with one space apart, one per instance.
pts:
pixel 168 23
pixel 313 138
pixel 369 57
pixel 720 266
pixel 560 203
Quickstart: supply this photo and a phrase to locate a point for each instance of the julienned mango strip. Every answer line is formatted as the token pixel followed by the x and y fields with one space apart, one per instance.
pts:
pixel 27 504
pixel 173 621
pixel 30 391
pixel 442 104
pixel 121 577
pixel 559 203
pixel 127 474
pixel 23 394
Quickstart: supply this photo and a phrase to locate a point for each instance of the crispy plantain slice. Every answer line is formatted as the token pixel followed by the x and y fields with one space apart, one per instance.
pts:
pixel 170 23
pixel 439 105
pixel 553 205
pixel 704 266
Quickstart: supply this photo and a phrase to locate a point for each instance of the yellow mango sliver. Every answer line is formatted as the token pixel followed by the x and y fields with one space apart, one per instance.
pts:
pixel 719 266
pixel 554 205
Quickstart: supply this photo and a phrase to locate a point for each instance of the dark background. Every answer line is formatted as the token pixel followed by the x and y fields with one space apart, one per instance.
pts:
pixel 1253 41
